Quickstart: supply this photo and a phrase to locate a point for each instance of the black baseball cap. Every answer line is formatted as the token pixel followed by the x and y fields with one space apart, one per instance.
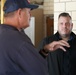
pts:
pixel 13 5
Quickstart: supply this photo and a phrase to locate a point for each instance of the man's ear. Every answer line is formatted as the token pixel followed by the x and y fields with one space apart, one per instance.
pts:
pixel 19 12
pixel 71 26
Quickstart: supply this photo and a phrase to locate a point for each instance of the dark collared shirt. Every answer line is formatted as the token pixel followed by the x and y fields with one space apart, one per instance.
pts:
pixel 18 56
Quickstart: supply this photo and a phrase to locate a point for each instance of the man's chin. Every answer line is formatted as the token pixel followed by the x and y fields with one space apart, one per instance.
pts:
pixel 65 35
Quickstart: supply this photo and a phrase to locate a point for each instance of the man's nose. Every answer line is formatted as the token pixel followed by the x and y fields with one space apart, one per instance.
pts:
pixel 64 25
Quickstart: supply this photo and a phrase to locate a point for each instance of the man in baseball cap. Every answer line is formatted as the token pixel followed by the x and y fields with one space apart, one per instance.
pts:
pixel 18 56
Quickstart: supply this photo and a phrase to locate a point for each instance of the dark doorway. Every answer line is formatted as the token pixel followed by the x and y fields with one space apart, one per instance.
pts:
pixel 49 26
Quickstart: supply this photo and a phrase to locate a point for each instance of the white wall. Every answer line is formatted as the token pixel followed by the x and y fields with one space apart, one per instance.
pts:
pixel 30 31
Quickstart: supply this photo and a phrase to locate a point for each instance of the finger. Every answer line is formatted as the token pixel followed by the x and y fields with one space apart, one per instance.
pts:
pixel 64 43
pixel 62 48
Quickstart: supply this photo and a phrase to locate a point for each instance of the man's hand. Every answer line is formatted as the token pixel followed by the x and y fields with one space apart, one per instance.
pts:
pixel 56 45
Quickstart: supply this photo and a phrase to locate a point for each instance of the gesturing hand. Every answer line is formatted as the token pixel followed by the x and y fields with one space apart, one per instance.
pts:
pixel 55 45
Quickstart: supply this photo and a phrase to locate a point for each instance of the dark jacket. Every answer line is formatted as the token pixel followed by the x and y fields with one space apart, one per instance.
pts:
pixel 57 61
pixel 18 56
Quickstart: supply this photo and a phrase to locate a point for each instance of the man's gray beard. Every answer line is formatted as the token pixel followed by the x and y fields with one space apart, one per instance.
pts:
pixel 65 35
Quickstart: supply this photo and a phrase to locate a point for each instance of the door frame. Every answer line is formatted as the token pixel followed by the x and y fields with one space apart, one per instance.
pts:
pixel 2 13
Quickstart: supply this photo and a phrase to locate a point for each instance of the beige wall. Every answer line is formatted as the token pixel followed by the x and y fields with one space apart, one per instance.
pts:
pixel 48 6
pixel 40 19
pixel 65 6
pixel 39 28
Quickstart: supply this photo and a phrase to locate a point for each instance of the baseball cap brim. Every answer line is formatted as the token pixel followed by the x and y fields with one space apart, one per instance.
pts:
pixel 32 6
